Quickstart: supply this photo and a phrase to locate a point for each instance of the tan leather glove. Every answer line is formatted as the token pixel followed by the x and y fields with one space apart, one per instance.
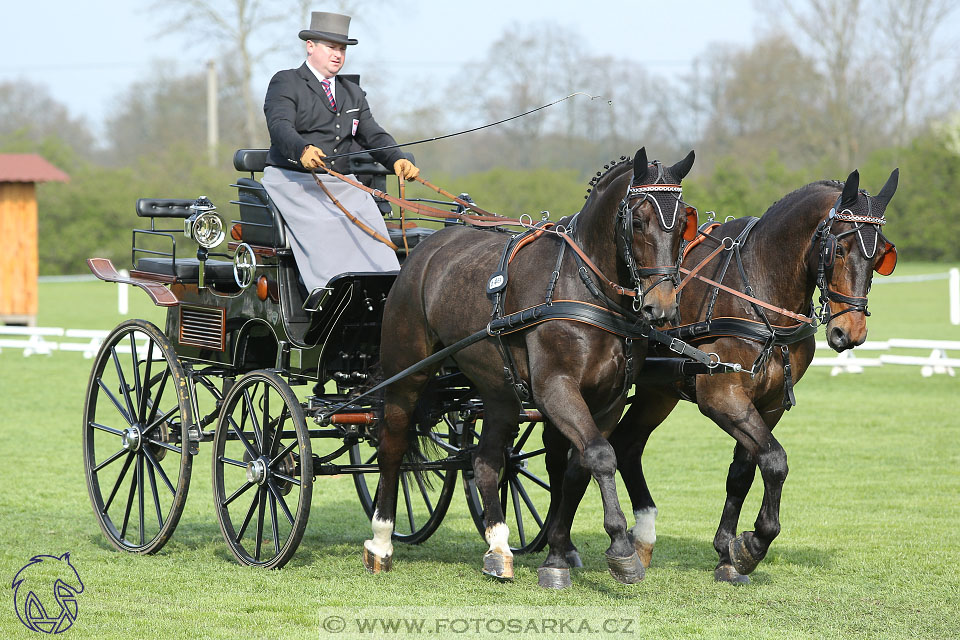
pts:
pixel 312 157
pixel 405 169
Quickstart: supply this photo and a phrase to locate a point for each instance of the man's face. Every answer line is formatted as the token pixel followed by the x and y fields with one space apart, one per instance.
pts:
pixel 326 57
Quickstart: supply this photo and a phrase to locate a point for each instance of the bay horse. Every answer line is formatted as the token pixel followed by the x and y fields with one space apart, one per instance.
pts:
pixel 573 371
pixel 823 236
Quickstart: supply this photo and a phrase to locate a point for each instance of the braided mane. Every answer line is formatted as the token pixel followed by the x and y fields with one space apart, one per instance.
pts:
pixel 612 170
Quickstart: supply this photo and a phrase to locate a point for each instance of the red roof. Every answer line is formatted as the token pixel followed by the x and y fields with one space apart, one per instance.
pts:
pixel 28 167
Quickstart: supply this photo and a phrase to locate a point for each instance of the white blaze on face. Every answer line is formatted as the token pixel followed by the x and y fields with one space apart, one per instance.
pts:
pixel 498 537
pixel 381 545
pixel 645 530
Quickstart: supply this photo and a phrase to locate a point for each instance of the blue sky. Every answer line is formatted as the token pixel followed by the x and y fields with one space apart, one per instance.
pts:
pixel 88 53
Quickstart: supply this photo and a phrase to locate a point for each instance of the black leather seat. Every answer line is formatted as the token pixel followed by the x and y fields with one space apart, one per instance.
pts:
pixel 187 270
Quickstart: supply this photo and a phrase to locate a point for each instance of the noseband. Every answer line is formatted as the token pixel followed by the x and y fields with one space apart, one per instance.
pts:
pixel 867 227
pixel 654 192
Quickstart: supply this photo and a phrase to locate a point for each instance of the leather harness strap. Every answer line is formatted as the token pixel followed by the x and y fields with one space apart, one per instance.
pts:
pixel 355 220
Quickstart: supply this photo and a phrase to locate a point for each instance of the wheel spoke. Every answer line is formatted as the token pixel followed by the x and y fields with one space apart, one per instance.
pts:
pixel 157 399
pixel 423 492
pixel 116 486
pixel 126 514
pixel 273 521
pixel 250 410
pixel 164 418
pixel 534 479
pixel 283 503
pixel 529 503
pixel 166 445
pixel 109 460
pixel 372 458
pixel 103 427
pixel 286 478
pixel 113 399
pixel 246 520
pixel 527 454
pixel 137 389
pixel 144 392
pixel 239 431
pixel 406 497
pixel 283 454
pixel 140 497
pixel 239 492
pixel 123 381
pixel 155 464
pixel 523 439
pixel 232 462
pixel 263 499
pixel 156 496
pixel 517 514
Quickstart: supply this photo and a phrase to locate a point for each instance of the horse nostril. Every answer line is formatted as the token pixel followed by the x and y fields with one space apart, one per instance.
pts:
pixel 651 312
pixel 837 337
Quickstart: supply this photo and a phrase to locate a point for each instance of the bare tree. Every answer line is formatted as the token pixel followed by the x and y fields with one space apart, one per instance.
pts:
pixel 908 29
pixel 237 24
pixel 29 112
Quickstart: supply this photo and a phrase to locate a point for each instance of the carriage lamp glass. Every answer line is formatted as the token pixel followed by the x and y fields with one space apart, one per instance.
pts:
pixel 204 225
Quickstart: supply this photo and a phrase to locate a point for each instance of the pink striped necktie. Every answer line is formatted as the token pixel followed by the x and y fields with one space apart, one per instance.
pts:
pixel 326 90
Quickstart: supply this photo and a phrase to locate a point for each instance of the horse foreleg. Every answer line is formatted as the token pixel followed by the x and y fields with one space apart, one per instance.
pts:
pixel 629 441
pixel 567 486
pixel 499 423
pixel 737 415
pixel 739 479
pixel 569 412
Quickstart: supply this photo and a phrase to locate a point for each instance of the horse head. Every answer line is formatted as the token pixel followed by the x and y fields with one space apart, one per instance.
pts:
pixel 652 222
pixel 851 247
pixel 45 581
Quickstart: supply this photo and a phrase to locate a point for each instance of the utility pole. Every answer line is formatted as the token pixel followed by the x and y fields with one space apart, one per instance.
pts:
pixel 212 125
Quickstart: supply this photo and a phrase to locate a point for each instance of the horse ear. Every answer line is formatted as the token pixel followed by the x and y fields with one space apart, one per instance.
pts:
pixel 890 187
pixel 682 168
pixel 640 164
pixel 850 188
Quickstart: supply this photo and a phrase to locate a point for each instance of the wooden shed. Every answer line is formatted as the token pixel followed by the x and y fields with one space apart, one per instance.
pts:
pixel 19 175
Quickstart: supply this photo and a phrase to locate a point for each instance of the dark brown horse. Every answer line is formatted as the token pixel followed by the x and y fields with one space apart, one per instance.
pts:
pixel 823 236
pixel 574 372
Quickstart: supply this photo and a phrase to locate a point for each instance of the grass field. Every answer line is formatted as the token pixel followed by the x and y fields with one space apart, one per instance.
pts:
pixel 870 545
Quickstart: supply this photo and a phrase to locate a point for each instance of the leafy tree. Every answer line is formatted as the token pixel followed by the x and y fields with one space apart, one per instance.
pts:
pixel 29 113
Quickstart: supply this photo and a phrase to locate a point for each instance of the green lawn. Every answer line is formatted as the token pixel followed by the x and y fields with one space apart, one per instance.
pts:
pixel 870 546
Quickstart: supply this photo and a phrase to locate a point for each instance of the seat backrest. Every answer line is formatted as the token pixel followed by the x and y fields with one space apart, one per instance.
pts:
pixel 260 220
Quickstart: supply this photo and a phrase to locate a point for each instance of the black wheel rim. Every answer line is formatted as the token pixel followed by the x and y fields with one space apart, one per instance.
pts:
pixel 524 488
pixel 422 501
pixel 262 470
pixel 136 422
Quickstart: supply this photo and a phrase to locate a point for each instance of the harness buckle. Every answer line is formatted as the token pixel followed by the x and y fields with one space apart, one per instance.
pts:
pixel 677 349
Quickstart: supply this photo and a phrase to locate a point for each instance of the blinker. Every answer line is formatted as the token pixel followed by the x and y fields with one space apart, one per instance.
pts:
pixel 889 260
pixel 829 251
pixel 693 222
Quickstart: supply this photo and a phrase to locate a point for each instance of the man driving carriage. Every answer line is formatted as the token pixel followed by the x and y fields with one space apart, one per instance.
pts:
pixel 310 112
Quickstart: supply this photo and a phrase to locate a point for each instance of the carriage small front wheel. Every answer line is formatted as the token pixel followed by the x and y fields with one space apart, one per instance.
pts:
pixel 136 452
pixel 262 470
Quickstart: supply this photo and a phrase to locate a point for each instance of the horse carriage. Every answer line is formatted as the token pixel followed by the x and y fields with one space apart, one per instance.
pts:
pixel 415 378
pixel 240 334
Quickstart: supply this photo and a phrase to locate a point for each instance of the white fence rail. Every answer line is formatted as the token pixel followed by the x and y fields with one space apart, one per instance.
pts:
pixel 937 360
pixel 46 340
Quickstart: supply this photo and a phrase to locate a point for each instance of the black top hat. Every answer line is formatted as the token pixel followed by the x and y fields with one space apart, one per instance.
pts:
pixel 330 27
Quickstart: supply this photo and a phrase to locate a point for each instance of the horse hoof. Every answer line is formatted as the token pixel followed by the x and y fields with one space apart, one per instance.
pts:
pixel 740 556
pixel 375 563
pixel 627 570
pixel 726 573
pixel 496 565
pixel 645 551
pixel 553 578
pixel 573 559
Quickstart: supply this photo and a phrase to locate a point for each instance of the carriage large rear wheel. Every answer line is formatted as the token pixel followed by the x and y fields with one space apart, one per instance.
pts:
pixel 137 458
pixel 262 470
pixel 524 487
pixel 422 501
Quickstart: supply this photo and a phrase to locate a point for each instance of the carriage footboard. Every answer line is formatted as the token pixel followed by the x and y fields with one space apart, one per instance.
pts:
pixel 159 293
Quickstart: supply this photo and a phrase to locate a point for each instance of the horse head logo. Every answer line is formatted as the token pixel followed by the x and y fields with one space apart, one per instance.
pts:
pixel 45 593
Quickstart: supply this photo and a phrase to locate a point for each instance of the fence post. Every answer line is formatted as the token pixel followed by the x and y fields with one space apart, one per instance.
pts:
pixel 954 296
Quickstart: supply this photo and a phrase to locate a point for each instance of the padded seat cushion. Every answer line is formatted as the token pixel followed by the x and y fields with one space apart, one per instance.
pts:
pixel 188 269
pixel 414 236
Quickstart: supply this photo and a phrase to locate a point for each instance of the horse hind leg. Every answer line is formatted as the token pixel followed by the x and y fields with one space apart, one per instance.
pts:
pixel 399 405
pixel 501 418
pixel 567 488
pixel 740 477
